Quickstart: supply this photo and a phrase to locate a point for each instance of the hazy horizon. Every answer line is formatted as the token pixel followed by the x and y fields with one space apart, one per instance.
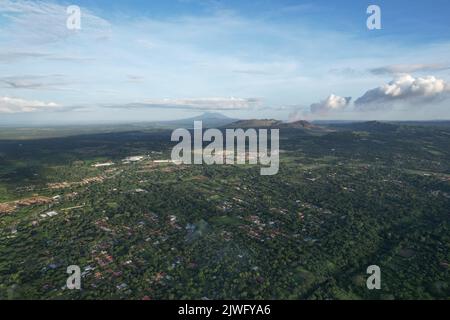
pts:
pixel 108 122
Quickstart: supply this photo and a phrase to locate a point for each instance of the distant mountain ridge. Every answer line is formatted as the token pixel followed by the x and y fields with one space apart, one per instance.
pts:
pixel 271 123
pixel 209 120
pixel 368 126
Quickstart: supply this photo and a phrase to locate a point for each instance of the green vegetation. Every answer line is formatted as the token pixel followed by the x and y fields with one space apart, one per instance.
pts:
pixel 342 201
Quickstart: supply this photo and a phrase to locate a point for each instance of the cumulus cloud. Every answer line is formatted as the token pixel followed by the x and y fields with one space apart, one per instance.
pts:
pixel 330 104
pixel 409 68
pixel 196 104
pixel 17 105
pixel 404 89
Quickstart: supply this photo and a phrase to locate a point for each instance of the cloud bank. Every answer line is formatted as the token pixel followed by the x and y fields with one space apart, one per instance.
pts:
pixel 206 104
pixel 405 97
pixel 409 68
pixel 17 105
pixel 404 89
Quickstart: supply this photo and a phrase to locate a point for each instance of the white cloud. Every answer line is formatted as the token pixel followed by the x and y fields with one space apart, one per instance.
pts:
pixel 404 88
pixel 17 105
pixel 196 104
pixel 409 68
pixel 330 104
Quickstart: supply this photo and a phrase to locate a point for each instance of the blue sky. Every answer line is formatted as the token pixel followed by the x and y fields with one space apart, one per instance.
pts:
pixel 157 60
